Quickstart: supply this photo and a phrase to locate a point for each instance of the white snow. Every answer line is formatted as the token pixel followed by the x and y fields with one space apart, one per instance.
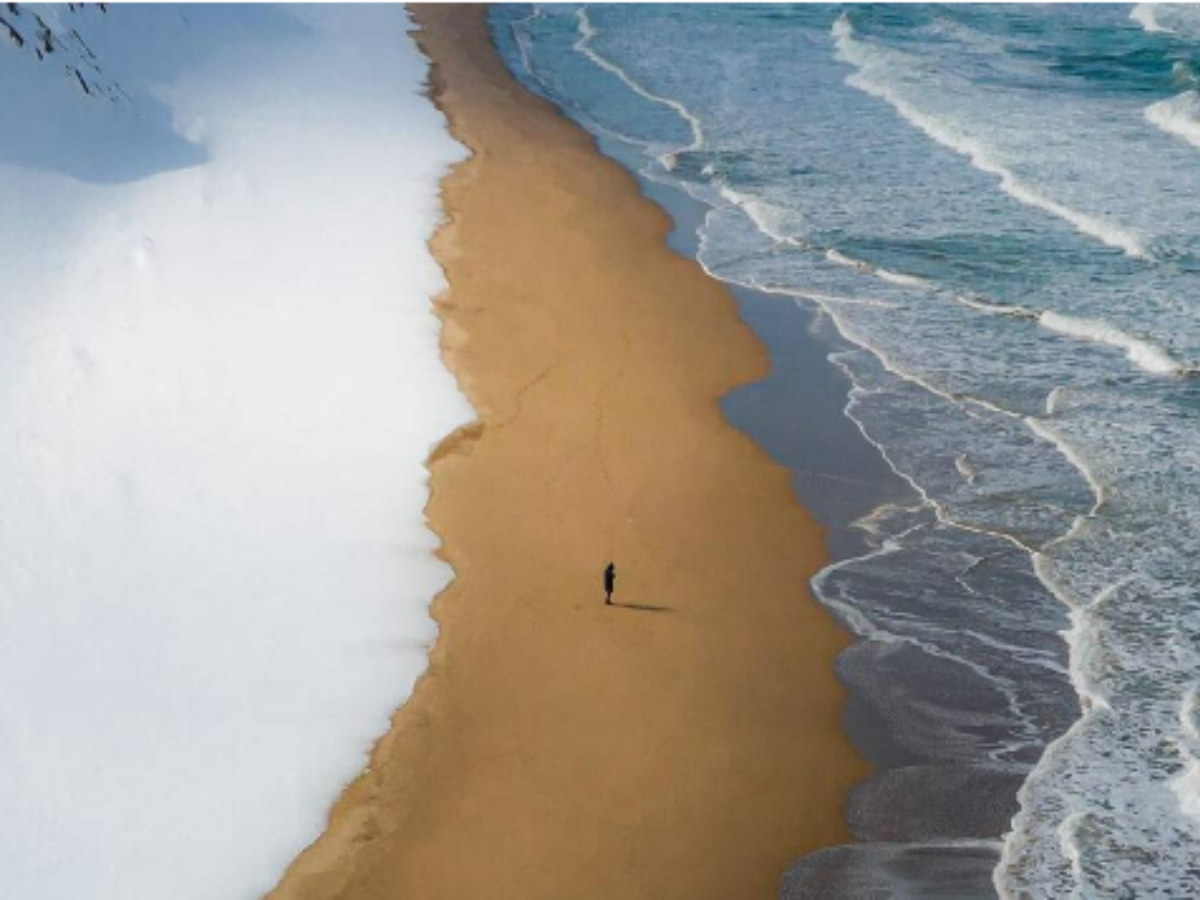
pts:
pixel 219 379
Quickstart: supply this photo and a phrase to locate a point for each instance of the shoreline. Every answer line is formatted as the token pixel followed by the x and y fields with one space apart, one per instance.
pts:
pixel 909 814
pixel 688 745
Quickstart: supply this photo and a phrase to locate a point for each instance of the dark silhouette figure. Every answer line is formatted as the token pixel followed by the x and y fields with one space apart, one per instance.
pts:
pixel 610 582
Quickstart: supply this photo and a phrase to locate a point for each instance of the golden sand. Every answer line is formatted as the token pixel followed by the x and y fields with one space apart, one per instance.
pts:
pixel 686 745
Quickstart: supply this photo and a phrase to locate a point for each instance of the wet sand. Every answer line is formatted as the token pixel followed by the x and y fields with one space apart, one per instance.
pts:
pixel 683 744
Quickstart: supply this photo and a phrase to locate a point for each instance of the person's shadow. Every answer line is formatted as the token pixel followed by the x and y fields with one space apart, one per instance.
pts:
pixel 642 608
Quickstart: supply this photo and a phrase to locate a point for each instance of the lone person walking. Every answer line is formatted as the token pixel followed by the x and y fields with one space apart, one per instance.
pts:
pixel 610 582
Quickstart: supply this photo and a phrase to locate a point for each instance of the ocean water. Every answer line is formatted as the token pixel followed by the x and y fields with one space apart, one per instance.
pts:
pixel 995 212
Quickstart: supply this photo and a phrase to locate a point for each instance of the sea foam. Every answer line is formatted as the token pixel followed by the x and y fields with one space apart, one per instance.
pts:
pixel 1179 115
pixel 1177 19
pixel 1144 14
pixel 901 279
pixel 875 76
pixel 1187 784
pixel 587 34
pixel 1143 353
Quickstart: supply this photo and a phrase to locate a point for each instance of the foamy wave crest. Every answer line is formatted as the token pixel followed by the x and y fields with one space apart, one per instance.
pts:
pixel 963 465
pixel 1167 18
pixel 587 33
pixel 1146 355
pixel 997 309
pixel 1187 789
pixel 875 76
pixel 782 225
pixel 524 40
pixel 900 278
pixel 888 275
pixel 1180 116
pixel 1187 785
pixel 1146 16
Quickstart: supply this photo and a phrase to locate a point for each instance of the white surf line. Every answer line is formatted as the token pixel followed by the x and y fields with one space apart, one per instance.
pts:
pixel 941 513
pixel 1039 428
pixel 1090 698
pixel 856 619
pixel 524 42
pixel 1052 400
pixel 1186 785
pixel 1147 17
pixel 996 309
pixel 898 278
pixel 824 301
pixel 1143 353
pixel 758 210
pixel 1112 235
pixel 822 298
pixel 1178 116
pixel 944 517
pixel 866 628
pixel 587 33
pixel 1092 703
pixel 566 104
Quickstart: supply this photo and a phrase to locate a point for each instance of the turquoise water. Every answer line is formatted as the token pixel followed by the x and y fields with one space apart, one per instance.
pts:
pixel 998 209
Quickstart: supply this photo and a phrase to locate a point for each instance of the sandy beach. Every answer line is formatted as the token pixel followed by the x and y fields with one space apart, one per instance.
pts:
pixel 685 743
